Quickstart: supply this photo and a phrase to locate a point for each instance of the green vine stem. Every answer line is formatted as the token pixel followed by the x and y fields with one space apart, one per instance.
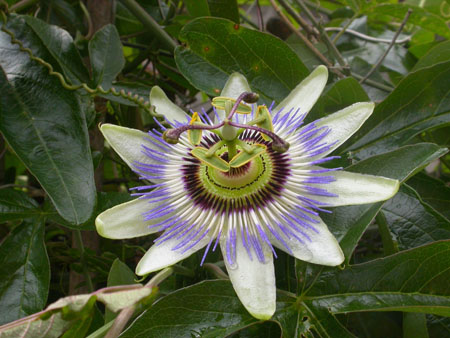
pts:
pixel 99 90
pixel 87 276
pixel 150 24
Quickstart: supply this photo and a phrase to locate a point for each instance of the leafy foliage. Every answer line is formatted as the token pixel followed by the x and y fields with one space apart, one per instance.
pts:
pixel 65 67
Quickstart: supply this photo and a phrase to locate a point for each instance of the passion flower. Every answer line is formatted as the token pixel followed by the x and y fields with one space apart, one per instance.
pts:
pixel 246 182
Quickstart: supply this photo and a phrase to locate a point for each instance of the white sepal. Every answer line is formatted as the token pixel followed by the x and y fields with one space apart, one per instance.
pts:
pixel 235 86
pixel 126 220
pixel 167 108
pixel 253 281
pixel 162 255
pixel 305 95
pixel 354 188
pixel 321 247
pixel 343 124
pixel 127 142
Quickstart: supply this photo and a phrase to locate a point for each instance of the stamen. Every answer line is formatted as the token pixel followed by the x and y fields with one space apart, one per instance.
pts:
pixel 278 144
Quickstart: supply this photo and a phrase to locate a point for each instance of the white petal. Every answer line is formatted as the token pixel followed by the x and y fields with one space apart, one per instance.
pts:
pixel 344 124
pixel 126 220
pixel 127 143
pixel 321 247
pixel 305 95
pixel 353 188
pixel 253 281
pixel 162 255
pixel 166 107
pixel 235 86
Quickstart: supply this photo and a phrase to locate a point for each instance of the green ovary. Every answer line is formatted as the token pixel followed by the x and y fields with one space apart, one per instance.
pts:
pixel 239 182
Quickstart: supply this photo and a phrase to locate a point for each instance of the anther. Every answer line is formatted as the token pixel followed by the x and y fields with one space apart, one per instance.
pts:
pixel 250 97
pixel 278 144
pixel 172 135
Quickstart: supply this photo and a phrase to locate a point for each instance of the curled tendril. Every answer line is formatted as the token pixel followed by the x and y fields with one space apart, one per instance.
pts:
pixel 138 100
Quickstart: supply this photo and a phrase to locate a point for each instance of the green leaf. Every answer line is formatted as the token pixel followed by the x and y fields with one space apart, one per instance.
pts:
pixel 419 17
pixel 80 328
pixel 44 124
pixel 415 280
pixel 218 47
pixel 355 5
pixel 119 274
pixel 437 54
pixel 207 77
pixel 207 309
pixel 438 7
pixel 25 271
pixel 323 322
pixel 438 326
pixel 415 325
pixel 348 223
pixel 412 221
pixel 193 310
pixel 421 101
pixel 341 94
pixel 304 53
pixel 212 309
pixel 227 9
pixel 106 55
pixel 401 163
pixel 15 204
pixel 432 191
pixel 384 301
pixel 197 8
pixel 51 43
